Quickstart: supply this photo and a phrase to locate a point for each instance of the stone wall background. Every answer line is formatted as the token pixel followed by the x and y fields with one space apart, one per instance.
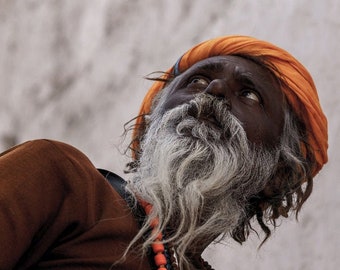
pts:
pixel 73 71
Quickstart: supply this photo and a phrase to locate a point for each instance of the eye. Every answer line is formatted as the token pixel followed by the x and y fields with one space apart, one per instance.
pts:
pixel 198 81
pixel 251 94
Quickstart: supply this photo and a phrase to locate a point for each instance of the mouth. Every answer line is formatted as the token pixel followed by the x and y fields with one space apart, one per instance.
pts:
pixel 207 118
pixel 211 121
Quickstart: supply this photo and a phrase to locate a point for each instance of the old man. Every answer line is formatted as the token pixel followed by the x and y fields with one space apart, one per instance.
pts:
pixel 234 130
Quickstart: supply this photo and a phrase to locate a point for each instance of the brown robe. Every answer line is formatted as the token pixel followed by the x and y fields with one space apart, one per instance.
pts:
pixel 58 212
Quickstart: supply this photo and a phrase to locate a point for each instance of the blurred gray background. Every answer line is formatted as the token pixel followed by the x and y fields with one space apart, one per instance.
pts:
pixel 73 71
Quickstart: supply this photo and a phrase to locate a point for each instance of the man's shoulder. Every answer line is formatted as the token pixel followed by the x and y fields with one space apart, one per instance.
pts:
pixel 45 153
pixel 44 147
pixel 48 161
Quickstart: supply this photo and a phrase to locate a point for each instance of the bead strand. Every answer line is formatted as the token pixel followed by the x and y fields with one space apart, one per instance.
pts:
pixel 157 246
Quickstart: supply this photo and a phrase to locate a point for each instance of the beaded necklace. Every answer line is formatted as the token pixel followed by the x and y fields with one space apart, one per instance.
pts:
pixel 161 253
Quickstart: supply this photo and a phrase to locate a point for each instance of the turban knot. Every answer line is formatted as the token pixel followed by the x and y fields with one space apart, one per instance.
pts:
pixel 299 87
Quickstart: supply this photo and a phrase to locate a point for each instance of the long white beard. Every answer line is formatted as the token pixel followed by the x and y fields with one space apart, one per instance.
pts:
pixel 197 176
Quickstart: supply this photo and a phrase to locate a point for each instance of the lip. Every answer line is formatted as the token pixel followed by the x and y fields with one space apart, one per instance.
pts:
pixel 211 121
pixel 206 117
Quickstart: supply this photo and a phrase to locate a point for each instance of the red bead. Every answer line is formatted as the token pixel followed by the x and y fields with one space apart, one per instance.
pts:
pixel 148 209
pixel 160 259
pixel 157 247
pixel 154 223
pixel 159 235
pixel 142 203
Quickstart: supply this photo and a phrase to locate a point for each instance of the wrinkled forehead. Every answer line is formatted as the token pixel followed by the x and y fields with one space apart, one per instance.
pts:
pixel 235 66
pixel 240 63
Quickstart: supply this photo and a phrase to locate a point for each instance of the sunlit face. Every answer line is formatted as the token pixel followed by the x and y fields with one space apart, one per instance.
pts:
pixel 253 94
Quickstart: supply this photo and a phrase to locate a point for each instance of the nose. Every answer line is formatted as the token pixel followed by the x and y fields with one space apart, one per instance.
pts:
pixel 217 88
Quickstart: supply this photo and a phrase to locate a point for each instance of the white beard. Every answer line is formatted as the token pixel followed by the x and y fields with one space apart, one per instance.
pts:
pixel 197 176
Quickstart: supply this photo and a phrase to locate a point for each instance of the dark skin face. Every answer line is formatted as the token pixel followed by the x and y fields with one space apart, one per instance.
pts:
pixel 253 94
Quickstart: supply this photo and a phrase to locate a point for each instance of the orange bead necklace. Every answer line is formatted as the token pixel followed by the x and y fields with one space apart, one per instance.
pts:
pixel 158 247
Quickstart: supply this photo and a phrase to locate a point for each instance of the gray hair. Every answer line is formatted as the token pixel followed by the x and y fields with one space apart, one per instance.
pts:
pixel 199 179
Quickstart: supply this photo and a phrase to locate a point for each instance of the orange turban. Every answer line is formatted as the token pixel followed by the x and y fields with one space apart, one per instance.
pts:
pixel 299 90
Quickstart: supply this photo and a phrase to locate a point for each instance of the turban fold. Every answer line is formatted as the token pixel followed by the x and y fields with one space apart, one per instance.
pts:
pixel 299 87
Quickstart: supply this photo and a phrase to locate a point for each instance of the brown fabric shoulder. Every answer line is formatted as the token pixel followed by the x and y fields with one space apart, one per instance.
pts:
pixel 58 212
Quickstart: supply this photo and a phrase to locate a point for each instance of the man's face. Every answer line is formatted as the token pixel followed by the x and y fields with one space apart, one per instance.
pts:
pixel 253 94
pixel 212 143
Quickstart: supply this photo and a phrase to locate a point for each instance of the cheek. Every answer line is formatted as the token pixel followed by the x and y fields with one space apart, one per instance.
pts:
pixel 175 99
pixel 260 133
pixel 260 129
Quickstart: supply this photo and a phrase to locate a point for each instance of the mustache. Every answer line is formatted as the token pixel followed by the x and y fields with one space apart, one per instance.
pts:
pixel 208 105
pixel 208 114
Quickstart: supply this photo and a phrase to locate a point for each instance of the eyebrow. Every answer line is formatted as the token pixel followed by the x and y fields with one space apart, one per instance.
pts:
pixel 215 67
pixel 239 75
pixel 244 77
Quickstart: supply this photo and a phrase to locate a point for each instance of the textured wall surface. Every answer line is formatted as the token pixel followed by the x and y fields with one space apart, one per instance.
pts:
pixel 73 71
